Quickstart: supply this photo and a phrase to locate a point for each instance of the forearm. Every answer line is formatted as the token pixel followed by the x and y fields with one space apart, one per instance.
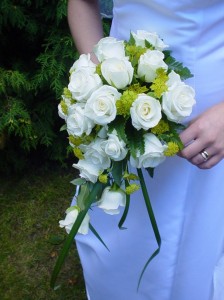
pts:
pixel 85 24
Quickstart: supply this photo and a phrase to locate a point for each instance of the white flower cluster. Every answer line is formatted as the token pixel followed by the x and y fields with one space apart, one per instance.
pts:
pixel 90 102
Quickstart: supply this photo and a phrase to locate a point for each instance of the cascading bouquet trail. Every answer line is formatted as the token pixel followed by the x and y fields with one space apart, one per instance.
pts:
pixel 125 111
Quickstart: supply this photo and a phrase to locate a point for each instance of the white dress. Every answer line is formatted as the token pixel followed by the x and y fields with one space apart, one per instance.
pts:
pixel 188 202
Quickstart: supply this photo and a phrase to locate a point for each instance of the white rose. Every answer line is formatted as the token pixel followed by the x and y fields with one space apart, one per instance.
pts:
pixel 63 107
pixel 96 155
pixel 82 84
pixel 141 36
pixel 109 47
pixel 84 61
pixel 77 122
pixel 101 106
pixel 178 101
pixel 61 112
pixel 173 78
pixel 149 62
pixel 88 170
pixel 114 148
pixel 71 216
pixel 145 112
pixel 111 200
pixel 103 132
pixel 153 155
pixel 117 72
pixel 66 100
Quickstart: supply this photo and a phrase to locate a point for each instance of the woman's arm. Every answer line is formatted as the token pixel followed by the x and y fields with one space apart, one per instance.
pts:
pixel 85 24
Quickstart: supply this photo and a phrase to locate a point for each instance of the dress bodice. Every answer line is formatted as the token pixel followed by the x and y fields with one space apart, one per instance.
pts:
pixel 193 29
pixel 188 203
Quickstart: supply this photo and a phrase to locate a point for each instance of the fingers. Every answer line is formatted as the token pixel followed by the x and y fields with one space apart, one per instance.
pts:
pixel 194 147
pixel 188 135
pixel 211 162
pixel 193 152
pixel 201 157
pixel 191 149
pixel 205 133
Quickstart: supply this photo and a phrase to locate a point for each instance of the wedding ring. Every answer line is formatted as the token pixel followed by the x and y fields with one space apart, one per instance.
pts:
pixel 205 155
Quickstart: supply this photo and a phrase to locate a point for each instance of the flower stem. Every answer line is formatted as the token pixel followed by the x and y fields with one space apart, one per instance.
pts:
pixel 70 238
pixel 152 219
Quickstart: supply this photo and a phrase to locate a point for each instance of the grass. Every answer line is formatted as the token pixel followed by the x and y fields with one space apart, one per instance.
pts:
pixel 30 238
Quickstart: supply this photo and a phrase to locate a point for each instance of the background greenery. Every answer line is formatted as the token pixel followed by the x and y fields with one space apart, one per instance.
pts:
pixel 36 53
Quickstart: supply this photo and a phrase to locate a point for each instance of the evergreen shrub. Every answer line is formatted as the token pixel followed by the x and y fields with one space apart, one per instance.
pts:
pixel 36 53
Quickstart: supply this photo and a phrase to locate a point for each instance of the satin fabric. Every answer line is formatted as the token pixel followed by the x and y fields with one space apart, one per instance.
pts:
pixel 188 202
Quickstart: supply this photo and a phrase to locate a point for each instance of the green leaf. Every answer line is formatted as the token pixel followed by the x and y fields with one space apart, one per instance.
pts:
pixel 167 53
pixel 119 125
pixel 63 127
pixel 131 40
pixel 173 134
pixel 153 222
pixel 134 61
pixel 117 171
pixel 97 236
pixel 97 188
pixel 78 181
pixel 126 209
pixel 149 45
pixel 150 172
pixel 178 67
pixel 135 140
pixel 83 196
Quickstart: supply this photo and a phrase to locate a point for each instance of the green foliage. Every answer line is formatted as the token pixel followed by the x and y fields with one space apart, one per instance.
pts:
pixel 135 140
pixel 36 53
pixel 176 66
pixel 119 125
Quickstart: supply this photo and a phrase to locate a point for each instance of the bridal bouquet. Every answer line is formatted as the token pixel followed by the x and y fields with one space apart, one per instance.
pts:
pixel 124 111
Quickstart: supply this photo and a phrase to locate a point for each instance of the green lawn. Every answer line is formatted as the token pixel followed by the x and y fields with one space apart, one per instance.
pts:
pixel 30 238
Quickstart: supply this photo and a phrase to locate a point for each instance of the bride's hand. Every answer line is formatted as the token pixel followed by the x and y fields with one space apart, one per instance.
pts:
pixel 204 138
